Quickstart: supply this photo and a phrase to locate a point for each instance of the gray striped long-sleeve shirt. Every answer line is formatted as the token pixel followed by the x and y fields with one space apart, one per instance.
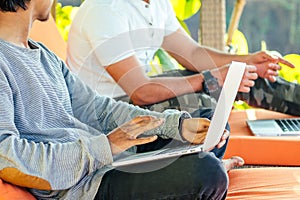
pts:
pixel 53 128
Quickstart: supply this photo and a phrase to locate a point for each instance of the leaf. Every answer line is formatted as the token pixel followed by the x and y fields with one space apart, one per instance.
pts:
pixel 289 74
pixel 263 45
pixel 165 60
pixel 241 105
pixel 184 9
pixel 239 43
pixel 64 17
pixel 184 26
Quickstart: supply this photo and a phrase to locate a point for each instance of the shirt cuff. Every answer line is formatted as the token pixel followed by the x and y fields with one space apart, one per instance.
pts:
pixel 185 115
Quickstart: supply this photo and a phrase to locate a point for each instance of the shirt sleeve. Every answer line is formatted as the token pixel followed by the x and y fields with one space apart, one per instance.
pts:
pixel 107 31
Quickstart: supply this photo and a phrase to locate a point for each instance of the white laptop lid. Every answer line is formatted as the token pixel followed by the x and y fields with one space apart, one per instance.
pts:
pixel 217 125
pixel 224 105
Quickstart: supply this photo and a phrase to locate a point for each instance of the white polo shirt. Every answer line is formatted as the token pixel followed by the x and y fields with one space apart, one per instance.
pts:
pixel 104 32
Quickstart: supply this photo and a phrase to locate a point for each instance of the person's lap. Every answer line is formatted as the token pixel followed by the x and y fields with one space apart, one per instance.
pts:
pixel 197 176
pixel 188 177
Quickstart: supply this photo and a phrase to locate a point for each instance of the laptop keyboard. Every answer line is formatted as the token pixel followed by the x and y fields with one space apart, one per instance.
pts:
pixel 289 124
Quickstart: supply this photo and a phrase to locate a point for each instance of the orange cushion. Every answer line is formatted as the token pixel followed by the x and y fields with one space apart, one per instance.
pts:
pixel 261 150
pixel 11 192
pixel 264 183
pixel 252 183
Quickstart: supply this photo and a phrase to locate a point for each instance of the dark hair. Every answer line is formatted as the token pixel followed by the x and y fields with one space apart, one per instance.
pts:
pixel 12 5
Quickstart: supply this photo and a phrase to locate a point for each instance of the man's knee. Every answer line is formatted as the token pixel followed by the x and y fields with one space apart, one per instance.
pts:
pixel 215 175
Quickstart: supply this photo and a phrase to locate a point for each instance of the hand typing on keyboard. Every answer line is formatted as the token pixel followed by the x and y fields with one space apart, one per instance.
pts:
pixel 126 135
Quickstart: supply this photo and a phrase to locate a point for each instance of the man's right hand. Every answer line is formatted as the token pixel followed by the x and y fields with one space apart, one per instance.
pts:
pixel 126 135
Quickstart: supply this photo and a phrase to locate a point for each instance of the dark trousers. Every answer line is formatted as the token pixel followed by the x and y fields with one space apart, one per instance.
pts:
pixel 196 176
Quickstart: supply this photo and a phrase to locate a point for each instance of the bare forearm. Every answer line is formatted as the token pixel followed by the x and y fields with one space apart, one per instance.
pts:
pixel 163 88
pixel 143 90
pixel 203 58
pixel 195 57
pixel 215 58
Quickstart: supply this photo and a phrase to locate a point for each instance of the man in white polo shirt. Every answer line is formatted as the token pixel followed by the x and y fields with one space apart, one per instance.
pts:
pixel 112 43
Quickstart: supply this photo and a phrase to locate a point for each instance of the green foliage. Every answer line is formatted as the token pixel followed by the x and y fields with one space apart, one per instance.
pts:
pixel 275 21
pixel 291 75
pixel 165 60
pixel 239 43
pixel 241 105
pixel 185 8
pixel 64 17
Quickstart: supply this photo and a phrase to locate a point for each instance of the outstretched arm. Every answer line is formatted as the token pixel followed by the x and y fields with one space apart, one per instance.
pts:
pixel 130 75
pixel 197 58
pixel 193 56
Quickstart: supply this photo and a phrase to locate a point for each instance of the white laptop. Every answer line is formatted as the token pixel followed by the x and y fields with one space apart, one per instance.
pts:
pixel 275 127
pixel 216 128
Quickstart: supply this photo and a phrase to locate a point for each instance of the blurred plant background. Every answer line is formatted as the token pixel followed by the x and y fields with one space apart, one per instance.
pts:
pixel 270 25
pixel 274 26
pixel 64 17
